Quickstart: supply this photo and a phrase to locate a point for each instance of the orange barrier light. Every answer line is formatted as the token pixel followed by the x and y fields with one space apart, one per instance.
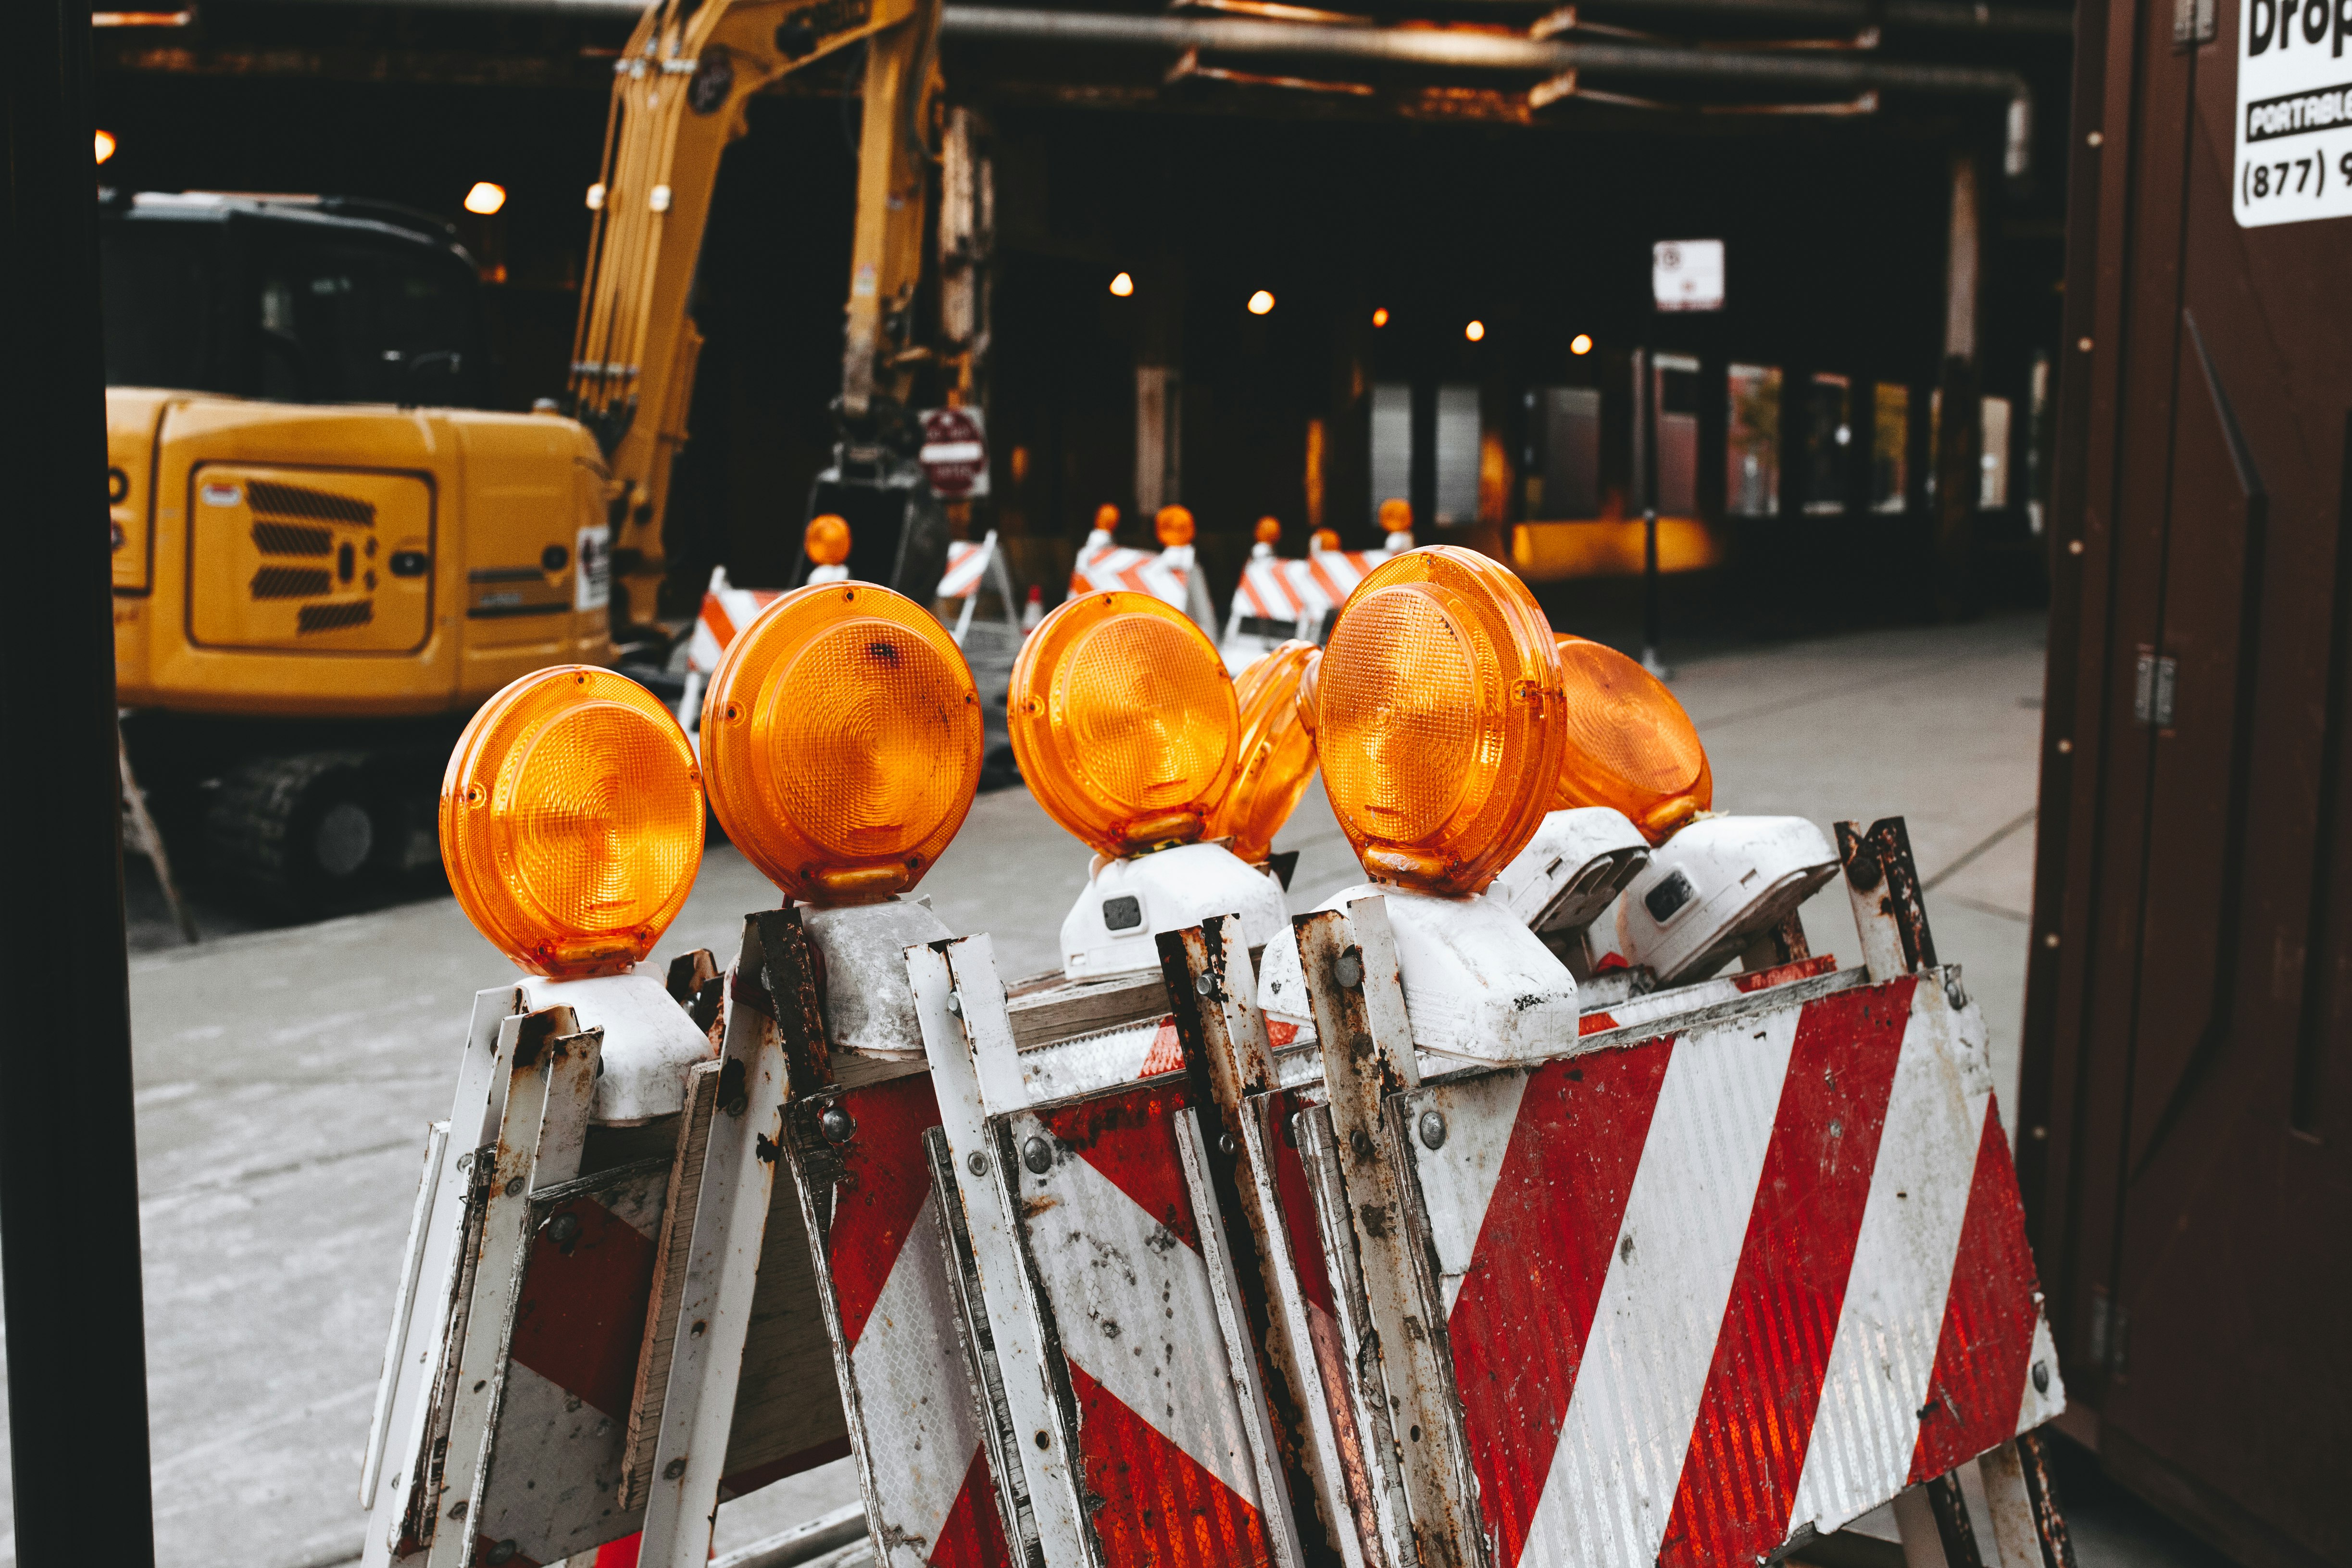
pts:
pixel 1325 540
pixel 572 821
pixel 1437 718
pixel 1630 744
pixel 1174 527
pixel 1396 515
pixel 841 738
pixel 1269 530
pixel 826 541
pixel 1277 752
pixel 1107 518
pixel 1123 722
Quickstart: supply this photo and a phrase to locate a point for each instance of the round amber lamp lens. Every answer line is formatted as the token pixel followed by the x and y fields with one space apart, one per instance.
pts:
pixel 1630 744
pixel 1123 722
pixel 1437 718
pixel 1174 527
pixel 1277 752
pixel 842 735
pixel 1269 530
pixel 827 539
pixel 571 821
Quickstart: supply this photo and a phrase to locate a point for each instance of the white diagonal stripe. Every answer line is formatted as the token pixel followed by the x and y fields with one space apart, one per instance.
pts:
pixel 1132 1306
pixel 1884 1354
pixel 914 1397
pixel 1458 1177
pixel 1619 1462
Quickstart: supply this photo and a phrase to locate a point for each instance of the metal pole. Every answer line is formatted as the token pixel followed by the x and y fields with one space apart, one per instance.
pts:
pixel 1645 460
pixel 68 1168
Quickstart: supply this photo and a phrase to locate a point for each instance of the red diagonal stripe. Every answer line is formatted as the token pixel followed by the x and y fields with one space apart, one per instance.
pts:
pixel 973 1535
pixel 1337 595
pixel 1297 1203
pixel 1131 1139
pixel 887 1181
pixel 1289 590
pixel 583 1312
pixel 1989 1318
pixel 1748 1447
pixel 1519 1327
pixel 714 615
pixel 1158 1508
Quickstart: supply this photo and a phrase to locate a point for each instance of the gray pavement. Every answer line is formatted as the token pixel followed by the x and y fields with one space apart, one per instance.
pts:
pixel 285 1079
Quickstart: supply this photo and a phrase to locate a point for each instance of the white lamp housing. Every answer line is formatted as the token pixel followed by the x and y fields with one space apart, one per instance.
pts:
pixel 869 1005
pixel 1128 902
pixel 1477 983
pixel 1575 865
pixel 649 1042
pixel 1707 892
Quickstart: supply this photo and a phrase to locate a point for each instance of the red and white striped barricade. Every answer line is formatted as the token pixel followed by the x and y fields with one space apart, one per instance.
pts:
pixel 970 568
pixel 1170 575
pixel 1132 1377
pixel 1282 598
pixel 726 610
pixel 1690 1290
pixel 586 1342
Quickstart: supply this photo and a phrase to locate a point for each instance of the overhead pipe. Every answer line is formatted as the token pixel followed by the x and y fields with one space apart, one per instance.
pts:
pixel 1466 50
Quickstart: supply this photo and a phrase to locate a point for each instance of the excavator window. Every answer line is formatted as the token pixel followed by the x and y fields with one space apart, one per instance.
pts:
pixel 294 311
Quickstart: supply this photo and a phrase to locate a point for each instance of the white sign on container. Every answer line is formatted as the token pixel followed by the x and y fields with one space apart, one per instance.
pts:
pixel 2295 113
pixel 1688 274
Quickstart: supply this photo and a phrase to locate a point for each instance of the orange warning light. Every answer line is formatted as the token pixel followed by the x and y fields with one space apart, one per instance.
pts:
pixel 1630 744
pixel 1174 527
pixel 1269 530
pixel 1437 718
pixel 572 821
pixel 1123 722
pixel 842 736
pixel 1396 515
pixel 1326 540
pixel 826 541
pixel 1277 752
pixel 1107 518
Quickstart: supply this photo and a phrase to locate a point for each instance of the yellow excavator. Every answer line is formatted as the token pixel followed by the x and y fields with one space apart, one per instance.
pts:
pixel 328 550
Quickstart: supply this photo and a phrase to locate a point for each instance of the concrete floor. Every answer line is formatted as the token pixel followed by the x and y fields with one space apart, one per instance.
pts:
pixel 284 1078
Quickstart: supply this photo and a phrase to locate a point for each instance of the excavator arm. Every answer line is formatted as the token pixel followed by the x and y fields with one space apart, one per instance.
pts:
pixel 681 92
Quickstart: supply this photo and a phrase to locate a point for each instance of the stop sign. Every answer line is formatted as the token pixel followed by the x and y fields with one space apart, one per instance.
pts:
pixel 954 453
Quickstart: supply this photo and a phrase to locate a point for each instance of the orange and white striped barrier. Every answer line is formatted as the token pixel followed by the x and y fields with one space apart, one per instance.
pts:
pixel 1279 598
pixel 1170 576
pixel 968 566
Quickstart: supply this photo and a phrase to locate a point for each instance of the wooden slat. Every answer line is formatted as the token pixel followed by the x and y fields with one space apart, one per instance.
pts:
pixel 1062 1012
pixel 669 1281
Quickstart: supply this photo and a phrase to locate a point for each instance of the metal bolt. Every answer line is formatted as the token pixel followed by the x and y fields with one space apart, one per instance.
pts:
pixel 1226 1146
pixel 514 1186
pixel 955 1005
pixel 502 1552
pixel 2050 940
pixel 1203 985
pixel 466 1160
pixel 1044 1441
pixel 977 1165
pixel 2083 343
pixel 837 1125
pixel 1432 1128
pixel 1863 870
pixel 458 1511
pixel 564 1228
pixel 1348 970
pixel 1038 1155
pixel 674 1469
pixel 1360 1141
pixel 2040 1377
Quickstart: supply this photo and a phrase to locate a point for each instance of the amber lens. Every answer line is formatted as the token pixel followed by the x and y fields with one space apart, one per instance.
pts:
pixel 1630 744
pixel 842 737
pixel 827 539
pixel 1107 518
pixel 1396 516
pixel 1174 527
pixel 1437 718
pixel 1327 539
pixel 571 821
pixel 1277 752
pixel 1123 722
pixel 1269 530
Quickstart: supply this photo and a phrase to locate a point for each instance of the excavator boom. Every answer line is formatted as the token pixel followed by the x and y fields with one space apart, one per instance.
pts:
pixel 681 92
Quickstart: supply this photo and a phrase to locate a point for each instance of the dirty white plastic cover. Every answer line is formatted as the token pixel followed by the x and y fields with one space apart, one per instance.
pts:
pixel 1477 983
pixel 649 1042
pixel 1128 902
pixel 1707 892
